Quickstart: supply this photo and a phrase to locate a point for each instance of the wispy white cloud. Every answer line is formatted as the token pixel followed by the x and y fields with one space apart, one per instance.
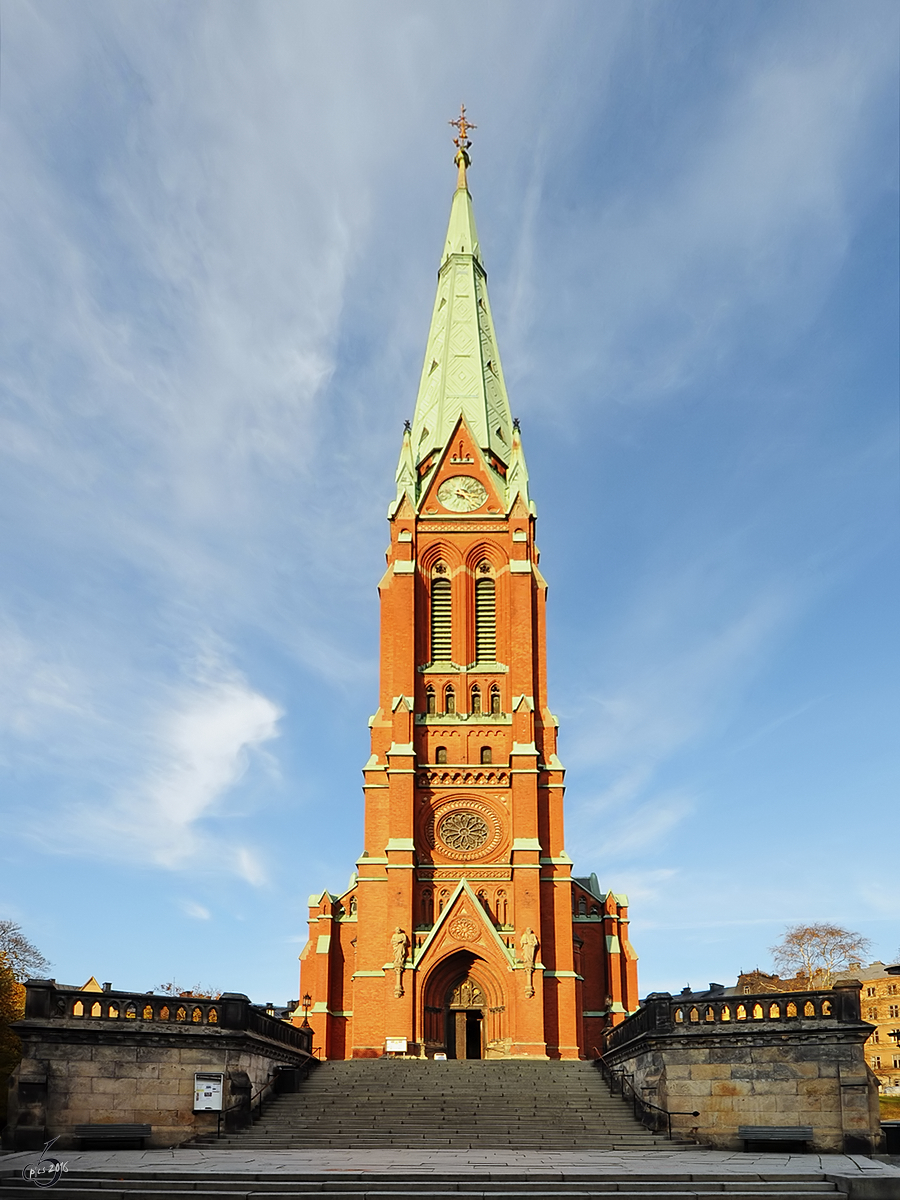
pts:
pixel 638 827
pixel 198 911
pixel 881 894
pixel 193 747
pixel 675 678
pixel 203 747
pixel 36 689
pixel 673 683
pixel 740 236
pixel 249 865
pixel 643 886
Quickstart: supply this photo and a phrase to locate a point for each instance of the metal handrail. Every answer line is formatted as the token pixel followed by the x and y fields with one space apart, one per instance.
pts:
pixel 268 1083
pixel 622 1084
pixel 239 1104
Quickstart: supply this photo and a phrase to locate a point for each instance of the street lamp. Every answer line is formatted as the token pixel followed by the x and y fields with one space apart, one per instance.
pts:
pixel 306 1002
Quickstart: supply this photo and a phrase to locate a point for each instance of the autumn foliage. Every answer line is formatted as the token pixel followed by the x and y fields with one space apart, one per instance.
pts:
pixel 12 1007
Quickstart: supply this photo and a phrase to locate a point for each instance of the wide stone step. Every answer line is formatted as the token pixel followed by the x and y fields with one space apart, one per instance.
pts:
pixel 689 1190
pixel 212 1186
pixel 507 1116
pixel 449 1128
pixel 406 1121
pixel 455 1143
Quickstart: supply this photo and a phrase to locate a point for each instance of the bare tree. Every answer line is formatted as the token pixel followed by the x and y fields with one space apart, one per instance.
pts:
pixel 24 960
pixel 817 954
pixel 200 991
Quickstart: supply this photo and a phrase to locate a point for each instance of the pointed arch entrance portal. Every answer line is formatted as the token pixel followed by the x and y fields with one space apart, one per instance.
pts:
pixel 464 1011
pixel 464 1022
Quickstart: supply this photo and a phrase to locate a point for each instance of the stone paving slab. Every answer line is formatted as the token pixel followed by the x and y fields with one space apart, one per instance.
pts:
pixel 634 1164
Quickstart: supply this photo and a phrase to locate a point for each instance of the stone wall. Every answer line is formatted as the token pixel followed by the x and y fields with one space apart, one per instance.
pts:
pixel 94 1068
pixel 772 1059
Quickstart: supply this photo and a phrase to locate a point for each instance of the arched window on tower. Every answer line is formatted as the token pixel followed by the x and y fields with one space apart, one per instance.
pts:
pixel 440 755
pixel 476 699
pixel 449 701
pixel 485 619
pixel 441 616
pixel 486 757
pixel 430 704
pixel 495 700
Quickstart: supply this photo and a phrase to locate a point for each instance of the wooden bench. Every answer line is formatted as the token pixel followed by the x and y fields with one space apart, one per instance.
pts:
pixel 120 1137
pixel 783 1135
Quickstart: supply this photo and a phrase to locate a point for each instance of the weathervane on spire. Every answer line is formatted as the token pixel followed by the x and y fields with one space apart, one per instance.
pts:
pixel 462 145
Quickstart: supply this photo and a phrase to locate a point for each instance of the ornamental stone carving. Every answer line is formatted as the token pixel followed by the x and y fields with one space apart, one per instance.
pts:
pixel 529 944
pixel 463 830
pixel 475 874
pixel 464 929
pixel 456 776
pixel 399 945
pixel 467 995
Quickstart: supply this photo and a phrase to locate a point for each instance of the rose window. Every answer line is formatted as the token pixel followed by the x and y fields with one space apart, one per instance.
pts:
pixel 463 831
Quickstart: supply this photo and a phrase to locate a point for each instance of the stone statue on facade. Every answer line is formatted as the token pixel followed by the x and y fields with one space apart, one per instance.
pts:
pixel 399 946
pixel 529 944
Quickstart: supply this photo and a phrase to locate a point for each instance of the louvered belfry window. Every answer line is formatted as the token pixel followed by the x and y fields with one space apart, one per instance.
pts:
pixel 441 626
pixel 485 621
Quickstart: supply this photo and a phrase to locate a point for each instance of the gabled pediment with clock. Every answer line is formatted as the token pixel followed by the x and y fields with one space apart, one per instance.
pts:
pixel 461 482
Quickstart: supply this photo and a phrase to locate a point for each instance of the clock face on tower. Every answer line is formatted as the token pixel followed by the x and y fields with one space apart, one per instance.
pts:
pixel 462 493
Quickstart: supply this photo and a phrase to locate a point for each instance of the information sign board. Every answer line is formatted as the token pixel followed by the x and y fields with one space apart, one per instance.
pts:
pixel 208 1091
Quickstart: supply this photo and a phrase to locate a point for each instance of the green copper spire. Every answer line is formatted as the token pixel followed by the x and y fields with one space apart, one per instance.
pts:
pixel 462 375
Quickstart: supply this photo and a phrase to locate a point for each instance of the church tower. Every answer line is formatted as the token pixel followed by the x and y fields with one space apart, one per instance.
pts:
pixel 463 930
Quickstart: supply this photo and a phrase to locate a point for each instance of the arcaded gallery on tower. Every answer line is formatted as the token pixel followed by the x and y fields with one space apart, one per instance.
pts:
pixel 464 932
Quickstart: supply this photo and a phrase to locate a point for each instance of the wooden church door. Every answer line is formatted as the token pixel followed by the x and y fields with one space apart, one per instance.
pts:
pixel 465 1021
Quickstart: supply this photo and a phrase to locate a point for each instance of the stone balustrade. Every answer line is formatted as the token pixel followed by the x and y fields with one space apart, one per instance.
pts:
pixel 94 1057
pixel 661 1013
pixel 44 1000
pixel 779 1059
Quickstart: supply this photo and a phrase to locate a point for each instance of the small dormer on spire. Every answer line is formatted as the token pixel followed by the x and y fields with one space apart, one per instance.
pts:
pixel 517 475
pixel 406 472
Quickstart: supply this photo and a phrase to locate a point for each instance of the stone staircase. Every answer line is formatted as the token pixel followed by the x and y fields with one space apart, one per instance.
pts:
pixel 412 1121
pixel 464 1104
pixel 246 1181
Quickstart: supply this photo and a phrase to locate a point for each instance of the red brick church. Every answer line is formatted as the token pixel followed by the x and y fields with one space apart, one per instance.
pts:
pixel 464 931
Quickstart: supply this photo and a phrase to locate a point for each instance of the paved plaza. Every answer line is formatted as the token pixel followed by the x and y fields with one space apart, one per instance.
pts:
pixel 394 1161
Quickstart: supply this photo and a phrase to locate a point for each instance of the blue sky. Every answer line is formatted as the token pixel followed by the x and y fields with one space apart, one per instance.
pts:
pixel 219 234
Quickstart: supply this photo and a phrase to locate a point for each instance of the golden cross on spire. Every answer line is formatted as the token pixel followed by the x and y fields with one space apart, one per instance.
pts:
pixel 462 145
pixel 462 142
